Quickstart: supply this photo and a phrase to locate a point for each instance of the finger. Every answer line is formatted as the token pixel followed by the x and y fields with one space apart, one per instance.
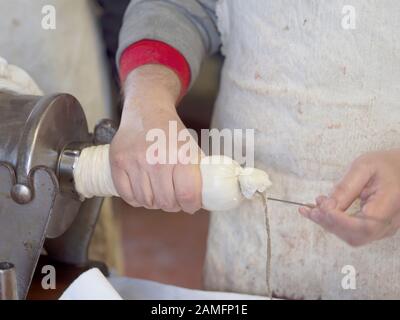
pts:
pixel 355 231
pixel 123 186
pixel 142 189
pixel 320 199
pixel 368 192
pixel 187 183
pixel 161 178
pixel 382 207
pixel 189 152
pixel 351 185
pixel 305 211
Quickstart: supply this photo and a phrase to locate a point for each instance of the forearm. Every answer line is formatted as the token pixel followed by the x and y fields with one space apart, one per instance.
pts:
pixel 153 81
pixel 187 26
pixel 149 89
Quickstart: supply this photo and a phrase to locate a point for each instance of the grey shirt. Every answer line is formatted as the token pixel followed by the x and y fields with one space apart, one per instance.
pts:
pixel 187 25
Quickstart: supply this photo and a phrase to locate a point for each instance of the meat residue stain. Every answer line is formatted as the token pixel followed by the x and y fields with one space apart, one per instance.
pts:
pixel 334 126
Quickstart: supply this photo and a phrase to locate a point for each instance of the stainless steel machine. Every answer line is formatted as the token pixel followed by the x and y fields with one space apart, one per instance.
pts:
pixel 40 140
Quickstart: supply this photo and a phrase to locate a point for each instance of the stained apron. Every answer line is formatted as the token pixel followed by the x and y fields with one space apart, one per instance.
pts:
pixel 318 95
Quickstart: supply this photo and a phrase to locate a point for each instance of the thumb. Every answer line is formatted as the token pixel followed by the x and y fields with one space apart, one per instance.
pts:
pixel 349 188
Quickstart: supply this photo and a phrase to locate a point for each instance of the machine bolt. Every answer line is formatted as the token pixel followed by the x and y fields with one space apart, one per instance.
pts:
pixel 105 131
pixel 21 194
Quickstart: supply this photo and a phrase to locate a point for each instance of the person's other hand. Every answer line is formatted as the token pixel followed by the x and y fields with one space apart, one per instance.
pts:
pixel 151 93
pixel 374 178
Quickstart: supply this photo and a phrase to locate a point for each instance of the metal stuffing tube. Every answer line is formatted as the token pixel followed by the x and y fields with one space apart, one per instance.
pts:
pixel 8 282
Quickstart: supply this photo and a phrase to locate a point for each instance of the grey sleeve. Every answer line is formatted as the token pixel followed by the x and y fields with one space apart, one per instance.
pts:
pixel 187 25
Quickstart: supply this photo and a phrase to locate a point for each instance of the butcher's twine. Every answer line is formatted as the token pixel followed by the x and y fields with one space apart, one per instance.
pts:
pixel 92 173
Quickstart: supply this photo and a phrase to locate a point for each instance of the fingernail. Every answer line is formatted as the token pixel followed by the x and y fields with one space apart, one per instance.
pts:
pixel 304 211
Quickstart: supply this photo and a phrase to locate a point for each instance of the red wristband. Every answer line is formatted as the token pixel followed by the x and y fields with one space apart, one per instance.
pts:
pixel 155 52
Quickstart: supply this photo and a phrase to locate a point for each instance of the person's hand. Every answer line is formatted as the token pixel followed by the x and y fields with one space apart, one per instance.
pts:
pixel 151 93
pixel 374 178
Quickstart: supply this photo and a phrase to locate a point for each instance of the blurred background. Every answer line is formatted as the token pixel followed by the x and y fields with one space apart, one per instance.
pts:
pixel 165 247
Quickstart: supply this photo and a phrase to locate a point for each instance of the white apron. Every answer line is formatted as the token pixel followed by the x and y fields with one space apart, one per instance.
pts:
pixel 318 96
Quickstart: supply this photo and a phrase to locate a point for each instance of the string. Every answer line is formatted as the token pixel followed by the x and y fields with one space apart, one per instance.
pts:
pixel 269 246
